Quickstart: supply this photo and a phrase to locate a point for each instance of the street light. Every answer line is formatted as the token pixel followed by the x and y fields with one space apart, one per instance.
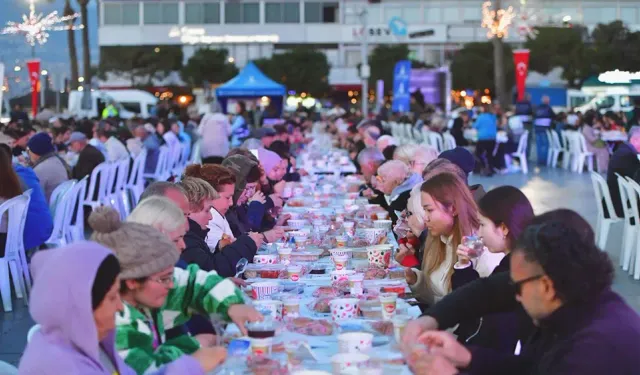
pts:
pixel 44 72
pixel 231 59
pixel 17 68
pixel 80 79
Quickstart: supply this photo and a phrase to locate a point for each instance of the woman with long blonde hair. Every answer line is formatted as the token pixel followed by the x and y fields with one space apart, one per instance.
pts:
pixel 450 214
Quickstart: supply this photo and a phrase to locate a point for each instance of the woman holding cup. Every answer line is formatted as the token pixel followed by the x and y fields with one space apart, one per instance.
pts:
pixel 503 214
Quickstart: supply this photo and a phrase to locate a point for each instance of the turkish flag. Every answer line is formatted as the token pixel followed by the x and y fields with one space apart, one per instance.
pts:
pixel 33 66
pixel 521 62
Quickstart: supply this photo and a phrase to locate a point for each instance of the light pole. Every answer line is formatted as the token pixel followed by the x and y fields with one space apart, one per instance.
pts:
pixel 365 70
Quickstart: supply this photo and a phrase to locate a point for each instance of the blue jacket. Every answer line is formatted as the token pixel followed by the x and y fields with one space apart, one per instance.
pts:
pixel 487 126
pixel 39 223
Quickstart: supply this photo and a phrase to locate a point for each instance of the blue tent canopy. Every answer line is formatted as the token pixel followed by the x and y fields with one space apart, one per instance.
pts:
pixel 250 83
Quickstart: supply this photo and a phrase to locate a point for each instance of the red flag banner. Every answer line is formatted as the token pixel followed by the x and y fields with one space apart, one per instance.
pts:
pixel 521 62
pixel 33 66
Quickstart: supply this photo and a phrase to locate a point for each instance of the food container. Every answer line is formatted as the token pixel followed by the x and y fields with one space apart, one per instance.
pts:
pixel 341 251
pixel 382 224
pixel 344 308
pixel 398 289
pixel 359 254
pixel 270 307
pixel 265 271
pixel 379 256
pixel 265 259
pixel 297 223
pixel 342 275
pixel 305 256
pixel 355 342
pixel 347 363
pixel 396 273
pixel 264 290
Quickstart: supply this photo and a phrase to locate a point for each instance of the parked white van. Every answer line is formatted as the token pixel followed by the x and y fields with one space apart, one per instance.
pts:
pixel 130 103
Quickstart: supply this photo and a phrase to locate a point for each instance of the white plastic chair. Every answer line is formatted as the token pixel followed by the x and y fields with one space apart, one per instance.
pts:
pixel 521 152
pixel 162 171
pixel 603 224
pixel 583 154
pixel 630 253
pixel 118 198
pixel 58 206
pixel 556 148
pixel 628 197
pixel 449 141
pixel 196 156
pixel 16 209
pixel 75 231
pixel 135 183
pixel 100 185
pixel 566 148
pixel 435 140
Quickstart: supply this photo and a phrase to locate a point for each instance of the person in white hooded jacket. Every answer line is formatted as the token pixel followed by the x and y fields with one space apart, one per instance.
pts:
pixel 215 130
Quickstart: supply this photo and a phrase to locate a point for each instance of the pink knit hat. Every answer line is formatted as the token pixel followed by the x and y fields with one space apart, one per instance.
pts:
pixel 268 159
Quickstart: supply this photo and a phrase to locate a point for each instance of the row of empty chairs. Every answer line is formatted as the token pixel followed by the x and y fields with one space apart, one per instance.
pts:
pixel 406 133
pixel 629 191
pixel 573 150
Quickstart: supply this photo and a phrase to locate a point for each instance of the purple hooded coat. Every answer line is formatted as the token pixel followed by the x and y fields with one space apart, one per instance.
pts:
pixel 67 341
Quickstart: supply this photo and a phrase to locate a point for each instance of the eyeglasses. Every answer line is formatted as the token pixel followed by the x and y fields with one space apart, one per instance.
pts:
pixel 166 281
pixel 517 285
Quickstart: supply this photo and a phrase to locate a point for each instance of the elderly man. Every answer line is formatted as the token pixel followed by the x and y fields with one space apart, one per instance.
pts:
pixel 385 141
pixel 89 157
pixel 168 190
pixel 370 159
pixel 50 168
pixel 395 179
pixel 151 143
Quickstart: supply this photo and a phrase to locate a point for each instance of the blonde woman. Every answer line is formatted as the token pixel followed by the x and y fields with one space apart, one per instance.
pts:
pixel 395 179
pixel 164 215
pixel 450 214
pixel 417 157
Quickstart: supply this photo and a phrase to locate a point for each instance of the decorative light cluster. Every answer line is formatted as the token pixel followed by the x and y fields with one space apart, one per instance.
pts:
pixel 497 22
pixel 36 27
pixel 526 22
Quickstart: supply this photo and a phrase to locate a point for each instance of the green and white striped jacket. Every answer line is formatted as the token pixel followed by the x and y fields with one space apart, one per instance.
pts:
pixel 194 291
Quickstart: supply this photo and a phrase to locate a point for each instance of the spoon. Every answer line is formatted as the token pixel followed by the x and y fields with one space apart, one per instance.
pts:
pixel 240 266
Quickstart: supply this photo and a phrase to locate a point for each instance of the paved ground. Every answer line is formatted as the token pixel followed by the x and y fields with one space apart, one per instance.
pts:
pixel 547 190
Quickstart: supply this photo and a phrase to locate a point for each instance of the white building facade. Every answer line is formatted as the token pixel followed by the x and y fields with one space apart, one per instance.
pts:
pixel 251 29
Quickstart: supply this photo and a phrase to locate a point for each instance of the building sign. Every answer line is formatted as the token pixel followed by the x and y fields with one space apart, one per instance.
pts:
pixel 195 35
pixel 401 93
pixel 618 76
pixel 396 29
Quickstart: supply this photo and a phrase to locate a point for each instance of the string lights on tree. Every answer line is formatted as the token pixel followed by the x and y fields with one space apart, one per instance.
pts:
pixel 497 22
pixel 36 27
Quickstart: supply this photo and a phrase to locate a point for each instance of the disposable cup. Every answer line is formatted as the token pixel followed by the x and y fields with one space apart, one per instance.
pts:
pixel 294 272
pixel 388 301
pixel 347 363
pixel 273 306
pixel 341 241
pixel 344 308
pixel 354 342
pixel 291 307
pixel 340 261
pixel 399 324
pixel 261 347
pixel 285 255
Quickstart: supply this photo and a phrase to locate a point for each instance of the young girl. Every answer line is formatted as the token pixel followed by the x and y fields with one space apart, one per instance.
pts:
pixel 157 296
pixel 503 214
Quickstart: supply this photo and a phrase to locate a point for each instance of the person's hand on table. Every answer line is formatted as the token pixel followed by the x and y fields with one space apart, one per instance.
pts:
pixel 238 282
pixel 282 219
pixel 274 234
pixel 241 314
pixel 210 357
pixel 445 344
pixel 277 200
pixel 257 238
pixel 430 364
pixel 417 327
pixel 410 276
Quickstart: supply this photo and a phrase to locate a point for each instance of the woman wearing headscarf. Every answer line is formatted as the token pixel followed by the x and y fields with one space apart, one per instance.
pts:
pixel 75 299
pixel 274 168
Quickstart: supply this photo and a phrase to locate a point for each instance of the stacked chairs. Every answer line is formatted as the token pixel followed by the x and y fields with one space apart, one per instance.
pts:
pixel 555 149
pixel 14 260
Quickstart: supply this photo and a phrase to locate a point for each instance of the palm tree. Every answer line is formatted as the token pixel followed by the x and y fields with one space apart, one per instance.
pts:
pixel 71 43
pixel 498 63
pixel 86 53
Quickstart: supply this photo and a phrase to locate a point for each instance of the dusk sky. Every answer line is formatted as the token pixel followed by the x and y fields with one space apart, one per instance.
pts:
pixel 53 55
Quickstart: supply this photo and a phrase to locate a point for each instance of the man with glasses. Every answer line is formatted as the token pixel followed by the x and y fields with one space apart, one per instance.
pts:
pixel 563 282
